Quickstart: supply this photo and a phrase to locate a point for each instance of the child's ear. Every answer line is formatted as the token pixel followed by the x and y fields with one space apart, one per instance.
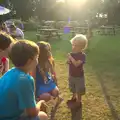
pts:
pixel 29 61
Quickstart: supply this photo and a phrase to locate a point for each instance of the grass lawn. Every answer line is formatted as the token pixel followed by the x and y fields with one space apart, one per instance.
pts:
pixel 102 71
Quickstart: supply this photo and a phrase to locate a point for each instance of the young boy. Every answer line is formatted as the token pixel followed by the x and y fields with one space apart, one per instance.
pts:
pixel 76 60
pixel 6 42
pixel 17 86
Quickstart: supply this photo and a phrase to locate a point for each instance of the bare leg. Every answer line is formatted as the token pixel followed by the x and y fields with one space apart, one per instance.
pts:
pixel 45 96
pixel 78 98
pixel 55 92
pixel 42 116
pixel 74 96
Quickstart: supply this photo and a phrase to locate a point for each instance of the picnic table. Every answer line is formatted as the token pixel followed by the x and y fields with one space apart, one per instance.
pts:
pixel 81 30
pixel 106 30
pixel 48 33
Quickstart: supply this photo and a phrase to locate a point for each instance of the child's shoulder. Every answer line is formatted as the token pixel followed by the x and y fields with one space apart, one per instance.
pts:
pixel 20 74
pixel 25 77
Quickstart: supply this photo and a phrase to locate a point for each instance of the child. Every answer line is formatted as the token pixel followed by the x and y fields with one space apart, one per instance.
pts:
pixel 6 42
pixel 76 60
pixel 17 86
pixel 16 32
pixel 52 64
pixel 4 65
pixel 45 85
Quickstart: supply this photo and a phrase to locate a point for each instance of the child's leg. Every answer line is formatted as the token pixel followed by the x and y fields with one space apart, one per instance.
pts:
pixel 55 92
pixel 74 96
pixel 80 88
pixel 72 87
pixel 41 116
pixel 78 97
pixel 45 96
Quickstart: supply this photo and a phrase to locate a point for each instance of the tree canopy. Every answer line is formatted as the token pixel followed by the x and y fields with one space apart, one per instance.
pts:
pixel 52 10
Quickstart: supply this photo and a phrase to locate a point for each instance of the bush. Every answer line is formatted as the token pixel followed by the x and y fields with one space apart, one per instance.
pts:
pixel 31 24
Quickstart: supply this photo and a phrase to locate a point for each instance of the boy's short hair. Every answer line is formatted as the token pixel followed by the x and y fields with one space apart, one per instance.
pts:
pixel 80 38
pixel 22 51
pixel 5 40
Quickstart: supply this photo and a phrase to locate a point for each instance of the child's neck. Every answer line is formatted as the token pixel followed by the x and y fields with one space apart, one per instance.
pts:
pixel 23 69
pixel 77 51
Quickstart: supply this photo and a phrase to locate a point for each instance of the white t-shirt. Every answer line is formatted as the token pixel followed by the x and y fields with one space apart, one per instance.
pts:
pixel 19 33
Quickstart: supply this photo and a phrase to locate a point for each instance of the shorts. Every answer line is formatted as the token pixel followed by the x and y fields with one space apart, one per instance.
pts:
pixel 45 88
pixel 29 118
pixel 77 85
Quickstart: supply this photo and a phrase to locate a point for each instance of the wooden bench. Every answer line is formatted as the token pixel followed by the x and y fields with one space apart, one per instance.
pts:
pixel 48 33
pixel 106 30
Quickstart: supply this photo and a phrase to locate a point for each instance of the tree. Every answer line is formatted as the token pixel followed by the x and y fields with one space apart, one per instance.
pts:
pixel 24 8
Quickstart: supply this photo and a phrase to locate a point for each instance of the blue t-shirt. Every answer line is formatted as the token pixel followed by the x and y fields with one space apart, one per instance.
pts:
pixel 16 94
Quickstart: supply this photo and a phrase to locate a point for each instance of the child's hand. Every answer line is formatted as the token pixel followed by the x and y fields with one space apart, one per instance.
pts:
pixel 45 79
pixel 68 55
pixel 43 106
pixel 68 58
pixel 68 62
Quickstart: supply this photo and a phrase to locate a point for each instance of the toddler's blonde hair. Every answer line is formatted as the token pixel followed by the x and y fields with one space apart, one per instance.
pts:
pixel 80 40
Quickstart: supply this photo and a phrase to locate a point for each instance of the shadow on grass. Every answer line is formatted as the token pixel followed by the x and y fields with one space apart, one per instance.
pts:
pixel 104 59
pixel 108 98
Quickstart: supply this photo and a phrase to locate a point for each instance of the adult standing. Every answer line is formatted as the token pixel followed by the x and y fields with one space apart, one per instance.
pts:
pixel 16 32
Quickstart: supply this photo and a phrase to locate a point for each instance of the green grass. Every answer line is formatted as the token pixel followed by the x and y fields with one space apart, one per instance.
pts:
pixel 102 71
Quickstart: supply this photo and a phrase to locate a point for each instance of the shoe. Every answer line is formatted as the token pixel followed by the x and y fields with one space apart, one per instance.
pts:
pixel 72 104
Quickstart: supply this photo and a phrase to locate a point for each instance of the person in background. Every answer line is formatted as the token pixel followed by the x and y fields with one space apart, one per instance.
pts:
pixel 6 42
pixel 16 32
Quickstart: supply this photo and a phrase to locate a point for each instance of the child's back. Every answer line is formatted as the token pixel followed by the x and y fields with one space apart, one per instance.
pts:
pixel 17 86
pixel 13 88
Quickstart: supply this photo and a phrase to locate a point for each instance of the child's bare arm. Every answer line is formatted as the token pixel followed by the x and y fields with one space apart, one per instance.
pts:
pixel 68 61
pixel 52 71
pixel 75 62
